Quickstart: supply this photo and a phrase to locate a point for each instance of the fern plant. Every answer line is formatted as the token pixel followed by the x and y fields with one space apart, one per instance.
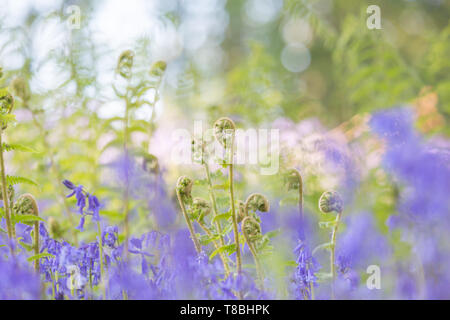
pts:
pixel 218 225
pixel 25 210
pixel 134 92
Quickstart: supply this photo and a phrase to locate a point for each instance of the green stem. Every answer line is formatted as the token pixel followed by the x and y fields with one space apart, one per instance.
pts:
pixel 333 252
pixel 36 228
pixel 188 222
pixel 90 282
pixel 6 203
pixel 232 207
pixel 53 285
pixel 214 203
pixel 259 269
pixel 222 256
pixel 233 211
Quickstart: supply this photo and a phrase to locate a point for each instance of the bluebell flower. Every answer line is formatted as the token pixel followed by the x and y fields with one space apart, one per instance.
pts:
pixel 420 169
pixel 18 281
pixel 136 248
pixel 304 275
pixel 81 195
pixel 110 236
pixel 69 184
pixel 94 207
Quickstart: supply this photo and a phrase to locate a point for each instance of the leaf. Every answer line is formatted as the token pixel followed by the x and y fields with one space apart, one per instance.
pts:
pixel 13 180
pixel 289 200
pixel 229 249
pixel 137 128
pixel 26 246
pixel 322 246
pixel 291 263
pixel 112 214
pixel 327 224
pixel 118 142
pixel 3 92
pixel 220 186
pixel 18 147
pixel 7 118
pixel 40 256
pixel 26 218
pixel 226 230
pixel 222 216
pixel 272 234
pixel 322 276
pixel 201 182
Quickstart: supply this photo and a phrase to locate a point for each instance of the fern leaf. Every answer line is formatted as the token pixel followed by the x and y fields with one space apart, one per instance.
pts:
pixel 13 180
pixel 18 147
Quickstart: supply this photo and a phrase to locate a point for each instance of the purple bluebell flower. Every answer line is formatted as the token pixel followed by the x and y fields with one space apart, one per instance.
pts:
pixel 421 170
pixel 362 243
pixel 81 224
pixel 110 236
pixel 81 195
pixel 136 247
pixel 18 281
pixel 94 207
pixel 69 184
pixel 304 275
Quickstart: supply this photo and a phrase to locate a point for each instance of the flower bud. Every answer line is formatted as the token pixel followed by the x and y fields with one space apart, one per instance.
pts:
pixel 331 201
pixel 69 184
pixel 158 68
pixel 224 130
pixel 201 208
pixel 184 187
pixel 125 63
pixel 21 89
pixel 257 202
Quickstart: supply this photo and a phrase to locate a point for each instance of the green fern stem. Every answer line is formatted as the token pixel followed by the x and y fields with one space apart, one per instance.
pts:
pixel 333 253
pixel 36 227
pixel 259 269
pixel 222 256
pixel 214 203
pixel 6 204
pixel 234 219
pixel 197 245
pixel 230 152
